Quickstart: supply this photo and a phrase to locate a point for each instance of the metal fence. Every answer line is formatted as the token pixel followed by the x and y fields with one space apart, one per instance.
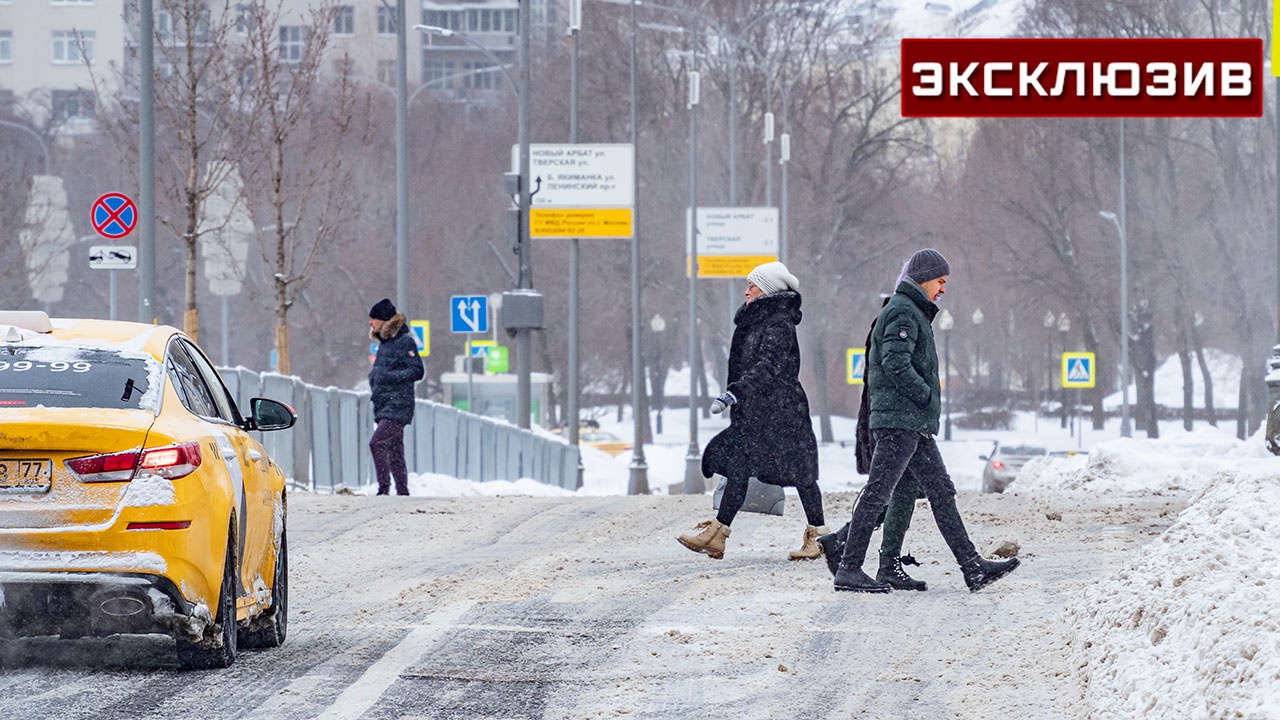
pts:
pixel 329 447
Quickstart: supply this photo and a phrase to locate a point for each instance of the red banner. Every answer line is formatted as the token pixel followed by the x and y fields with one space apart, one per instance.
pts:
pixel 1023 77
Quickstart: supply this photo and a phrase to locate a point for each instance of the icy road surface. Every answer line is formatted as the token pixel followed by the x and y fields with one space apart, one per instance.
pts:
pixel 547 607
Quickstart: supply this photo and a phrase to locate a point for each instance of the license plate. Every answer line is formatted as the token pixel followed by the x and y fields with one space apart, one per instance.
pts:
pixel 25 476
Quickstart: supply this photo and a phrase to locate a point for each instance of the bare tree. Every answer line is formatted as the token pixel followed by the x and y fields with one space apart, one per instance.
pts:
pixel 295 152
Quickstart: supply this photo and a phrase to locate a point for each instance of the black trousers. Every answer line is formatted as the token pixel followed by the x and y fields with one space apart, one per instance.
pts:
pixel 387 446
pixel 898 452
pixel 735 493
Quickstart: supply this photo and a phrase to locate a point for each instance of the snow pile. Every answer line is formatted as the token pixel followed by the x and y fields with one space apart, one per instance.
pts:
pixel 1191 628
pixel 1179 462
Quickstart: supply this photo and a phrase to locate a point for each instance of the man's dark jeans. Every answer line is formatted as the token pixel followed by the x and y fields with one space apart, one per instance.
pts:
pixel 387 446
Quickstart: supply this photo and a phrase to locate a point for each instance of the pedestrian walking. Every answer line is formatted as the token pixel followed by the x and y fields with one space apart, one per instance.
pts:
pixel 906 402
pixel 896 519
pixel 770 435
pixel 396 368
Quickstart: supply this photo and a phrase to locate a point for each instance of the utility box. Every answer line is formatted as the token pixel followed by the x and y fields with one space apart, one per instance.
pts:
pixel 521 310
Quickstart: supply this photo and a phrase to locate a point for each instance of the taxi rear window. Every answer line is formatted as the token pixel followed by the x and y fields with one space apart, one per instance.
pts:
pixel 73 377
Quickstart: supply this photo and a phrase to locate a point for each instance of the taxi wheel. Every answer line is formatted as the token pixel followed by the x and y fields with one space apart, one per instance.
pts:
pixel 198 655
pixel 269 629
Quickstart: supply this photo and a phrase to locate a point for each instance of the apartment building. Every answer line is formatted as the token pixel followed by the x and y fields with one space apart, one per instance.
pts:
pixel 44 46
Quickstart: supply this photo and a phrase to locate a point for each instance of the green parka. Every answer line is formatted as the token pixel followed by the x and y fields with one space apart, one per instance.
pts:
pixel 902 364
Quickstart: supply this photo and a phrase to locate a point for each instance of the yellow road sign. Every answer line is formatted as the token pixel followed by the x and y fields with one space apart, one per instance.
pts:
pixel 855 364
pixel 580 223
pixel 1079 370
pixel 421 330
pixel 727 266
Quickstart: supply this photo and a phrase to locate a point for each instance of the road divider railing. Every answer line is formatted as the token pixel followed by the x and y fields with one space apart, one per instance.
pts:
pixel 328 449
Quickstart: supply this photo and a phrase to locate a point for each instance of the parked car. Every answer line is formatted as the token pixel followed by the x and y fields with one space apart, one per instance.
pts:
pixel 589 433
pixel 134 497
pixel 1004 462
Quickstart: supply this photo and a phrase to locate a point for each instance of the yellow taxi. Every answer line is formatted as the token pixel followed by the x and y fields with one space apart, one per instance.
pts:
pixel 134 497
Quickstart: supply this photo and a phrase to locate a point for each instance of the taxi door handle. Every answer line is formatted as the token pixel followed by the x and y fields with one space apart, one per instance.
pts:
pixel 254 455
pixel 228 454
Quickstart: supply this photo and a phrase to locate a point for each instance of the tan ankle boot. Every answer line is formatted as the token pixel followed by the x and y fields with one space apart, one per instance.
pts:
pixel 810 549
pixel 709 541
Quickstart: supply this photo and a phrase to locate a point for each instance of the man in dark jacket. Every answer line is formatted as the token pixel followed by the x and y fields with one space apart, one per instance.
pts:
pixel 396 368
pixel 906 402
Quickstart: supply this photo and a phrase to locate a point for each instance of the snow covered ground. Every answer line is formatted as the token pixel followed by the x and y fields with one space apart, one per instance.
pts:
pixel 1189 629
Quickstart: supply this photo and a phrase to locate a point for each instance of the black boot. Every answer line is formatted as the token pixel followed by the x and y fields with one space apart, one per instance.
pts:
pixel 891 572
pixel 979 573
pixel 833 547
pixel 854 580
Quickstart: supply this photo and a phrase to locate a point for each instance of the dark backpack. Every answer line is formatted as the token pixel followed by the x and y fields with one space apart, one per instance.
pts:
pixel 862 445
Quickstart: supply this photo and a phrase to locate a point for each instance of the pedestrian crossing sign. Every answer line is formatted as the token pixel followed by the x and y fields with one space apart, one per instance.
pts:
pixel 856 363
pixel 1078 370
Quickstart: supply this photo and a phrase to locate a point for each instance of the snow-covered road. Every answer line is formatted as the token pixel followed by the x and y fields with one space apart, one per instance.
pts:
pixel 586 607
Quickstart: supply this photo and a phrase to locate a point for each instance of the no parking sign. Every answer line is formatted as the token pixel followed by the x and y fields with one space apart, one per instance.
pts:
pixel 114 215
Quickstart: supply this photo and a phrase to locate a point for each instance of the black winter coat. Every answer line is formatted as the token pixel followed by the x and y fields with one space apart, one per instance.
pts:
pixel 395 369
pixel 770 434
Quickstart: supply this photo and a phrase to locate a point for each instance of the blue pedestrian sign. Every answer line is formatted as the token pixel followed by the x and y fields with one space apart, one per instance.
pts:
pixel 855 365
pixel 1078 370
pixel 469 314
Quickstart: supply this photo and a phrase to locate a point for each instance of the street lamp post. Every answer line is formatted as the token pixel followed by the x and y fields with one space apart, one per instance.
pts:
pixel 44 147
pixel 658 324
pixel 525 304
pixel 1125 429
pixel 693 483
pixel 1049 323
pixel 638 479
pixel 1064 326
pixel 945 323
pixel 977 372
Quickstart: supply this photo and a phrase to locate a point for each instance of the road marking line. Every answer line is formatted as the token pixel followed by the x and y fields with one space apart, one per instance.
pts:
pixel 365 692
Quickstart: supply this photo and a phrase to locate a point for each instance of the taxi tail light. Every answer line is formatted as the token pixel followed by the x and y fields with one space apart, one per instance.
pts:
pixel 172 461
pixel 997 465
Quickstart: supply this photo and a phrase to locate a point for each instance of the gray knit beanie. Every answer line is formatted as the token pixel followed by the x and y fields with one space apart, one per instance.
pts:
pixel 927 264
pixel 773 277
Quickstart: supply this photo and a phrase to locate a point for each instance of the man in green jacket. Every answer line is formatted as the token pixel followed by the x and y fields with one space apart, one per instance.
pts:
pixel 906 402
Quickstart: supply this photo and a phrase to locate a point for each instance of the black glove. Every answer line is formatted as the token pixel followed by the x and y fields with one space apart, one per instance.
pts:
pixel 725 400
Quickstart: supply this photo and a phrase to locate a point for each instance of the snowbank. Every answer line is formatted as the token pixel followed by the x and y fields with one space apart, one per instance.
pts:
pixel 1191 628
pixel 1178 462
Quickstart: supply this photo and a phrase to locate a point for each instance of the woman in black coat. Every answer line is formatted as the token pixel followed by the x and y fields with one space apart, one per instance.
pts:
pixel 770 435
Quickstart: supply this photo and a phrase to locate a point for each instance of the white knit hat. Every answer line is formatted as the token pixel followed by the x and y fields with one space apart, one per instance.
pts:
pixel 773 277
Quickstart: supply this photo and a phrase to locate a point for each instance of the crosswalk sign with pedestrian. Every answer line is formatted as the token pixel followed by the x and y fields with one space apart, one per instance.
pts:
pixel 1078 370
pixel 855 364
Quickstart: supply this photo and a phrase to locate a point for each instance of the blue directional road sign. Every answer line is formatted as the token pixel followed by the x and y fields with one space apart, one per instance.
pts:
pixel 469 314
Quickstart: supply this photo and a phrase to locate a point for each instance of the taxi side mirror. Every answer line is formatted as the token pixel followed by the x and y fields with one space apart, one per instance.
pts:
pixel 268 414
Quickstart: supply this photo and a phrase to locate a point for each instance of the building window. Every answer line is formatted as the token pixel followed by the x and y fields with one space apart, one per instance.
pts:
pixel 438 74
pixel 386 21
pixel 72 47
pixel 344 20
pixel 480 75
pixel 244 19
pixel 69 105
pixel 387 72
pixel 293 43
pixel 6 46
